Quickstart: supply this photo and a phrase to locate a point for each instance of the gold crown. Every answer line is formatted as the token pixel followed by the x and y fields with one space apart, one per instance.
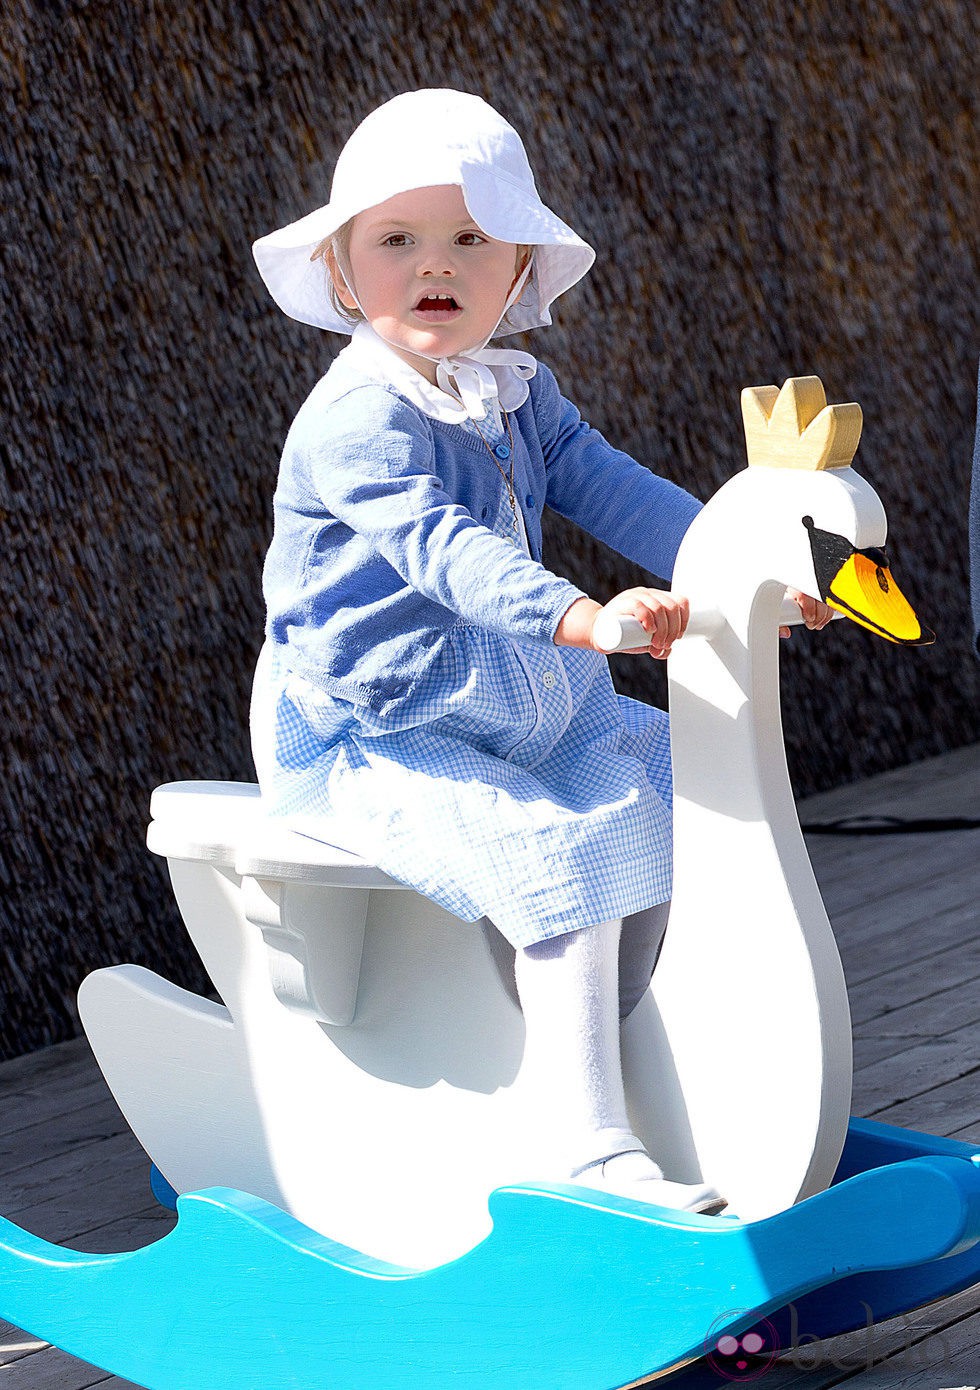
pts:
pixel 796 428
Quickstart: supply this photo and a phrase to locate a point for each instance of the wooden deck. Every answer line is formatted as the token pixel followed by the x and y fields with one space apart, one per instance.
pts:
pixel 906 909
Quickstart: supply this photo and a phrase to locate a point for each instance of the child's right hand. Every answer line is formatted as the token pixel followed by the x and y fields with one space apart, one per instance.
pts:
pixel 663 615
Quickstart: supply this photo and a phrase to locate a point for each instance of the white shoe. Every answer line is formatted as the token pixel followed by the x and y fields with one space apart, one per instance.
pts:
pixel 635 1175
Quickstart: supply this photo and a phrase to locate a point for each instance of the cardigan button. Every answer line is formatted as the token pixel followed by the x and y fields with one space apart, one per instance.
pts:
pixel 502 451
pixel 529 500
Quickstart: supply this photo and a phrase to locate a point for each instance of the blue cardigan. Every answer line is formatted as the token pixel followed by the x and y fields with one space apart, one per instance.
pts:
pixel 382 541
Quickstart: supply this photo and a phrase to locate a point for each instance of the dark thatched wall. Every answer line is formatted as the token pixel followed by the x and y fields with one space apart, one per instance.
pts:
pixel 773 189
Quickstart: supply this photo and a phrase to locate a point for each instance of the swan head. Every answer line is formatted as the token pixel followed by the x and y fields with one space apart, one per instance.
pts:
pixel 859 584
pixel 800 517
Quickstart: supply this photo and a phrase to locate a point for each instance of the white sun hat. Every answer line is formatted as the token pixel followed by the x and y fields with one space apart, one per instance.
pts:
pixel 425 139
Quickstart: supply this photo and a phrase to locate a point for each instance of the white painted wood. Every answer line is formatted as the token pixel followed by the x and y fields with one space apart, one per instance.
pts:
pixel 223 823
pixel 313 943
pixel 750 1087
pixel 365 1070
pixel 612 633
pixel 387 1133
pixel 183 824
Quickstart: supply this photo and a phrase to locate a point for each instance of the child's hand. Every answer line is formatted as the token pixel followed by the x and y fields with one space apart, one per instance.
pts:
pixel 664 616
pixel 816 614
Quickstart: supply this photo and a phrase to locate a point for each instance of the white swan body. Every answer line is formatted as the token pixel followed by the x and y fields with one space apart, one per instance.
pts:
pixel 755 1088
pixel 386 1125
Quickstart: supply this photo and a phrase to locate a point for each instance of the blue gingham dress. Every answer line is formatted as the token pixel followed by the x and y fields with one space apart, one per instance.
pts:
pixel 540 800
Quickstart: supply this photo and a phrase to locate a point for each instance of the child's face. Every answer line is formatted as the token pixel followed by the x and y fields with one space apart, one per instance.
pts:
pixel 407 254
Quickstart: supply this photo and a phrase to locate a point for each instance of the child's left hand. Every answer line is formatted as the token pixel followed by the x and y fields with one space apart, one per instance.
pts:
pixel 816 614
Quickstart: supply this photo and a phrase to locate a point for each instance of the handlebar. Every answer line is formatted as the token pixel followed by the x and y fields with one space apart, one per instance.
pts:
pixel 619 634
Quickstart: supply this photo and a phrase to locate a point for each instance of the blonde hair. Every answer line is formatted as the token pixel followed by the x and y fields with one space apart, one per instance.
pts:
pixel 338 246
pixel 525 254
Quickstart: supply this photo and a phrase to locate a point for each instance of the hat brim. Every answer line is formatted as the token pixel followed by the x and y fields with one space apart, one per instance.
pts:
pixel 502 209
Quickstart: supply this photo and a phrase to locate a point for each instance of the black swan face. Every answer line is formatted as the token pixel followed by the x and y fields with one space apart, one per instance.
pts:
pixel 859 584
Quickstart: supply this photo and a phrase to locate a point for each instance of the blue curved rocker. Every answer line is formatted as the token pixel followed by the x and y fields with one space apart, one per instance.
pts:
pixel 335 1017
pixel 566 1293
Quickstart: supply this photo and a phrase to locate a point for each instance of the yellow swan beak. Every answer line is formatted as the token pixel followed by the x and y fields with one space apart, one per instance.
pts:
pixel 859 584
pixel 866 592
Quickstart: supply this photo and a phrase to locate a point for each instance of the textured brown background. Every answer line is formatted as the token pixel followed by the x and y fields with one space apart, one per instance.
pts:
pixel 773 190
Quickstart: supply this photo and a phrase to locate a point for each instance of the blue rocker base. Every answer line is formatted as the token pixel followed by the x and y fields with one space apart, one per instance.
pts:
pixel 569 1291
pixel 873 1297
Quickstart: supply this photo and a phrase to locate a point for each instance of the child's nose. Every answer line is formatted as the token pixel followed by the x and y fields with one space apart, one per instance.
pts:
pixel 435 263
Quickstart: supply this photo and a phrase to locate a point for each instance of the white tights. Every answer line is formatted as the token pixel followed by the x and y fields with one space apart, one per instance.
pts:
pixel 574 989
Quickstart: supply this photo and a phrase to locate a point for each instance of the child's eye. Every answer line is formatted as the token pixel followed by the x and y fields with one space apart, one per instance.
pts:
pixel 470 239
pixel 396 239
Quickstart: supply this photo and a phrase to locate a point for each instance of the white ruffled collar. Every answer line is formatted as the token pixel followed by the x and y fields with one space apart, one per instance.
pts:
pixel 470 387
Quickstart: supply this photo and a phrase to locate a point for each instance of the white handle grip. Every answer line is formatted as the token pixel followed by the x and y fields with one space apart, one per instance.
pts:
pixel 616 634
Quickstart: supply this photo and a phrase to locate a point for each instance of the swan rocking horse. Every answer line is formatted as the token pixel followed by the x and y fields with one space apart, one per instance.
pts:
pixel 350 1005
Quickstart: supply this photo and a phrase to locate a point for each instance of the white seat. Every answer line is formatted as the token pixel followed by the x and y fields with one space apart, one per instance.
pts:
pixel 313 969
pixel 358 1021
pixel 223 823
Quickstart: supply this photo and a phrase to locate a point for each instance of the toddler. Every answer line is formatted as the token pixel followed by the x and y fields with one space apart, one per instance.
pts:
pixel 429 695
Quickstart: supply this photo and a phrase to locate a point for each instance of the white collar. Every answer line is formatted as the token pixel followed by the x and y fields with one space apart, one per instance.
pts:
pixel 470 386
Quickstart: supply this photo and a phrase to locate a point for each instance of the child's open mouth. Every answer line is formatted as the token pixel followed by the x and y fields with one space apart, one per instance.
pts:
pixel 437 308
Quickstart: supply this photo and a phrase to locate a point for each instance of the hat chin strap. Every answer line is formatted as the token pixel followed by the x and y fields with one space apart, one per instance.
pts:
pixel 470 375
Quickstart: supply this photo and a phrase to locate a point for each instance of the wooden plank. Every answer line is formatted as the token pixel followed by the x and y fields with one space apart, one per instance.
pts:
pixel 867 954
pixel 25 1109
pixel 894 988
pixel 925 790
pixel 920 1334
pixel 35 1182
pixel 945 1011
pixel 848 874
pixel 132 1231
pixel 77 1215
pixel 947 1358
pixel 15 1344
pixel 917 1069
pixel 952 1108
pixel 947 779
pixel 836 847
pixel 51 1369
pixel 949 785
pixel 60 1133
pixel 846 835
pixel 55 1064
pixel 944 870
pixel 868 1051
